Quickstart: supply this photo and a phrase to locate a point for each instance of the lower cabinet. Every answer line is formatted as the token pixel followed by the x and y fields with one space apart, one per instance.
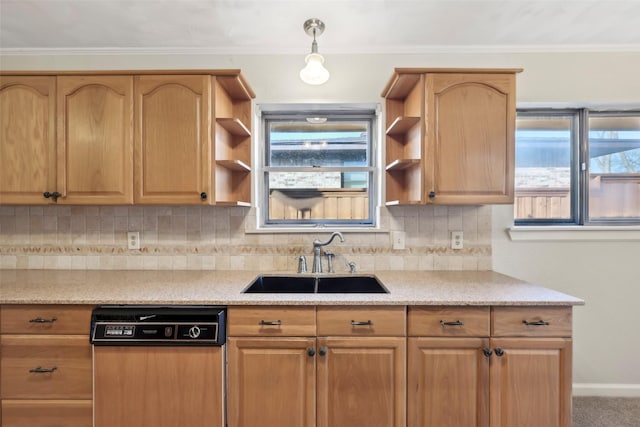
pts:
pixel 349 377
pixel 498 367
pixel 45 366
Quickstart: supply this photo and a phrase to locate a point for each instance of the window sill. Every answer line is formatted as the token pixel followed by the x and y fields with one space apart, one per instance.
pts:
pixel 574 233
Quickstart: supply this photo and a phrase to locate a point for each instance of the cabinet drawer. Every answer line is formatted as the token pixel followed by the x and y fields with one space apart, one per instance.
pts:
pixel 25 358
pixel 361 321
pixel 46 413
pixel 448 321
pixel 45 319
pixel 282 321
pixel 531 321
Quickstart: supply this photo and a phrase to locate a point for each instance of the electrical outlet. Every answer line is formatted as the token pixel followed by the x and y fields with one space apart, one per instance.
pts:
pixel 133 240
pixel 457 240
pixel 397 239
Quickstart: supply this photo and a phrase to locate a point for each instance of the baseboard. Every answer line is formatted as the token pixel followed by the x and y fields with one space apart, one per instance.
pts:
pixel 605 390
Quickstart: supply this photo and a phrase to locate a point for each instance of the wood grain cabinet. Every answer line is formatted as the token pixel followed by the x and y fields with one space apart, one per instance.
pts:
pixel 351 372
pixel 450 136
pixel 45 366
pixel 481 366
pixel 28 148
pixel 144 137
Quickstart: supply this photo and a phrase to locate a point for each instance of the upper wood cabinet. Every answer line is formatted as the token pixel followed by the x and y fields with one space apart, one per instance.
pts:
pixel 27 138
pixel 450 136
pixel 108 138
pixel 173 139
pixel 95 139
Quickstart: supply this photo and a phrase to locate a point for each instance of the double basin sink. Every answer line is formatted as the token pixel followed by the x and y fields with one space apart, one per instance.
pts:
pixel 347 284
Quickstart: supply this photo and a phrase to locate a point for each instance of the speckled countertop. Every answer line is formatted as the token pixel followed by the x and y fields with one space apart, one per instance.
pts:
pixel 225 288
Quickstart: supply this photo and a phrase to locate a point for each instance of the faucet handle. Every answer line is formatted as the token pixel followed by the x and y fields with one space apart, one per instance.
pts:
pixel 330 256
pixel 352 267
pixel 302 264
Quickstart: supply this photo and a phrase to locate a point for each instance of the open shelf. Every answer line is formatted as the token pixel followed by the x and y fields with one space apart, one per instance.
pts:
pixel 402 124
pixel 234 165
pixel 400 164
pixel 234 126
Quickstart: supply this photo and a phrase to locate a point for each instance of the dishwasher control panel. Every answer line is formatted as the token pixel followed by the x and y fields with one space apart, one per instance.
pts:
pixel 158 325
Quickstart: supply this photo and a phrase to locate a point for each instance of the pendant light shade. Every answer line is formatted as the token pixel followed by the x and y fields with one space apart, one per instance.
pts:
pixel 314 72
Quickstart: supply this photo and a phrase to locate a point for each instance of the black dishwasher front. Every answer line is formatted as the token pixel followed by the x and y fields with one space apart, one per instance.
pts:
pixel 160 366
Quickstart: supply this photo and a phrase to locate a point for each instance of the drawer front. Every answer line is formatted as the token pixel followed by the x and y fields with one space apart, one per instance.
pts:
pixel 45 367
pixel 362 321
pixel 448 321
pixel 284 321
pixel 47 413
pixel 45 319
pixel 531 321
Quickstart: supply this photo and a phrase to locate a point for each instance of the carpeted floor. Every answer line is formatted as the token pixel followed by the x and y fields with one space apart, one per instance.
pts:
pixel 606 412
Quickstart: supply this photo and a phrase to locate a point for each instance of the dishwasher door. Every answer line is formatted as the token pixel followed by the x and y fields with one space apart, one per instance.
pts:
pixel 158 386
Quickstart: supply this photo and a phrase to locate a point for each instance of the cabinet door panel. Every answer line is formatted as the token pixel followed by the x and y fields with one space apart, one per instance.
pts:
pixel 531 382
pixel 67 356
pixel 361 382
pixel 27 139
pixel 173 139
pixel 448 382
pixel 472 137
pixel 47 413
pixel 95 139
pixel 272 382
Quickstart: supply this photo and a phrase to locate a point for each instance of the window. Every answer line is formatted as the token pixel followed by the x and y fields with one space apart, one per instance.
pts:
pixel 577 167
pixel 318 168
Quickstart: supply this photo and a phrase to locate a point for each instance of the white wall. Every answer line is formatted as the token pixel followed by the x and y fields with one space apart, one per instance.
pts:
pixel 605 273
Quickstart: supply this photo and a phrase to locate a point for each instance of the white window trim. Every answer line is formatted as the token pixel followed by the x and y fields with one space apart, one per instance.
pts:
pixel 574 233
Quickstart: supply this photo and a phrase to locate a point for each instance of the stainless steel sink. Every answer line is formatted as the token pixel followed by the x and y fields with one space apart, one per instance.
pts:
pixel 348 284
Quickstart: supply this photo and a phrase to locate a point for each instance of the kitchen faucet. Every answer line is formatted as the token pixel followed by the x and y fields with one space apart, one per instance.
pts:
pixel 317 251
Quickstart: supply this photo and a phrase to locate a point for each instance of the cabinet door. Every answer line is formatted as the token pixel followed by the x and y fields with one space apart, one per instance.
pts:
pixel 272 382
pixel 448 382
pixel 173 140
pixel 27 139
pixel 471 138
pixel 531 382
pixel 361 382
pixel 95 139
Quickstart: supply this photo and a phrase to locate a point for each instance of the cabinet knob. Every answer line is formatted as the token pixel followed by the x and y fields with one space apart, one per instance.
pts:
pixel 53 195
pixel 322 351
pixel 487 352
pixel 432 194
pixel 311 352
pixel 499 352
pixel 203 196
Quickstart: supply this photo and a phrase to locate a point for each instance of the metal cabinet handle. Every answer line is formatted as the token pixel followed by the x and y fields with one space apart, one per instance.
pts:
pixel 41 320
pixel 454 323
pixel 432 194
pixel 41 370
pixel 53 195
pixel 536 323
pixel 499 352
pixel 487 352
pixel 322 351
pixel 268 323
pixel 203 196
pixel 311 352
pixel 356 323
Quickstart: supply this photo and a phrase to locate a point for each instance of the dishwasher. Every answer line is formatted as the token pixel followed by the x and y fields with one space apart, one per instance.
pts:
pixel 158 366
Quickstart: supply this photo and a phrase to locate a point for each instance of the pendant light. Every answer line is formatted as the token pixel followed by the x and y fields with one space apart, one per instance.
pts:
pixel 314 72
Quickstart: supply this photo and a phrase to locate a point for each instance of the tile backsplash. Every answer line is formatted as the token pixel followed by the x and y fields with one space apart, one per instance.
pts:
pixel 221 238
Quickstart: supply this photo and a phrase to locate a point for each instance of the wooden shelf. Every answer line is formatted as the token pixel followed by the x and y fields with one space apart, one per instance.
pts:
pixel 234 126
pixel 400 164
pixel 234 165
pixel 401 125
pixel 403 202
pixel 232 203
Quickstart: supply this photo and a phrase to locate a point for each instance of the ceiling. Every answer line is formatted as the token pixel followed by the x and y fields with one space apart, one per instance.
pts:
pixel 352 26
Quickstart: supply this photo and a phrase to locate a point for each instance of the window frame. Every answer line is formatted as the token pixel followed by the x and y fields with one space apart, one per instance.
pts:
pixel 356 112
pixel 580 168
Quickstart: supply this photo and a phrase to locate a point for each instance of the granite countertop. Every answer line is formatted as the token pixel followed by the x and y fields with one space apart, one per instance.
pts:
pixel 225 287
